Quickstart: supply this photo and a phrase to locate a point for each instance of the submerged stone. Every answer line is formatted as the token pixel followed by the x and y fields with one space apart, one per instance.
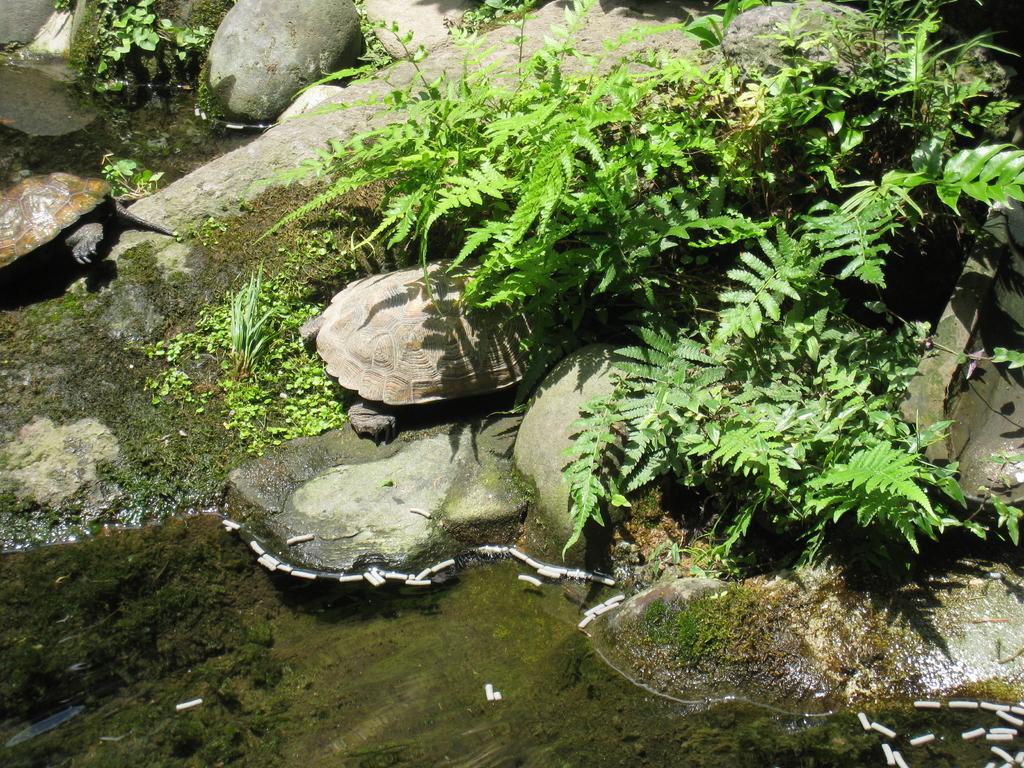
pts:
pixel 429 495
pixel 49 463
pixel 808 638
pixel 36 98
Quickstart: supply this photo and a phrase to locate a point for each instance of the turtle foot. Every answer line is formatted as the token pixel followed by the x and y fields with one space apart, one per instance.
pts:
pixel 373 421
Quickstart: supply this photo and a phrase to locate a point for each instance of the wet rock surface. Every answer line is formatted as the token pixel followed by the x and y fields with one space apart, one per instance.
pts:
pixel 48 463
pixel 426 496
pixel 809 638
pixel 36 98
pixel 266 50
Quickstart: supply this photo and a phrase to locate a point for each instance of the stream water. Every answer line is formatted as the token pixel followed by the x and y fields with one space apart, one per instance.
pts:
pixel 129 624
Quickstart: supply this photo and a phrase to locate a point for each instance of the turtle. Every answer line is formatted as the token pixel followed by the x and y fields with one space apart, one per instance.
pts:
pixel 395 341
pixel 39 208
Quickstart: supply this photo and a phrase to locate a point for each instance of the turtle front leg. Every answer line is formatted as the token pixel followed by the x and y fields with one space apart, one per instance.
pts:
pixel 84 240
pixel 373 420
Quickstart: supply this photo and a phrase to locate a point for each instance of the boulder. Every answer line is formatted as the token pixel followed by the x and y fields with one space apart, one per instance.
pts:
pixel 37 98
pixel 266 50
pixel 427 20
pixel 545 435
pixel 20 20
pixel 49 463
pixel 812 639
pixel 755 40
pixel 425 497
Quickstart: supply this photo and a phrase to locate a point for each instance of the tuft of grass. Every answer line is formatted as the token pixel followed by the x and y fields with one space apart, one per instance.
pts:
pixel 250 329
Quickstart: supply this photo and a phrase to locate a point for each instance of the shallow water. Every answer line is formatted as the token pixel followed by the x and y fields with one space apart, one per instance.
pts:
pixel 293 674
pixel 48 123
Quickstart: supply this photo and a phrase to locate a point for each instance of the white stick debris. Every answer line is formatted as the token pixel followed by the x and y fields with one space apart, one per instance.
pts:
pixel 303 574
pixel 299 539
pixel 865 723
pixel 924 738
pixel 994 707
pixel 586 620
pixel 285 568
pixel 606 580
pixel 187 705
pixel 1000 729
pixel 497 696
pixel 374 578
pixel 255 547
pixel 268 562
pixel 928 704
pixel 1009 718
pixel 999 737
pixel 442 566
pixel 529 579
pixel 887 751
pixel 549 573
pixel 900 762
pixel 418 582
pixel 889 733
pixel 1002 754
pixel 967 735
pixel 963 705
pixel 230 525
pixel 489 692
pixel 349 577
pixel 420 512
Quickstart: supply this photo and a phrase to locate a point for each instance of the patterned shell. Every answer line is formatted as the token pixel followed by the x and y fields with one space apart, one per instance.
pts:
pixel 35 211
pixel 389 340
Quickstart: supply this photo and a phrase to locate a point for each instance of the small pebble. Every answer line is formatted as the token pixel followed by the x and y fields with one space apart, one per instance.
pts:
pixel 922 739
pixel 187 705
pixel 299 539
pixel 889 733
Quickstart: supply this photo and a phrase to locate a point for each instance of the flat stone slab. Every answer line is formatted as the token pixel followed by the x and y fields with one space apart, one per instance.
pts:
pixel 427 20
pixel 425 497
pixel 49 463
pixel 220 187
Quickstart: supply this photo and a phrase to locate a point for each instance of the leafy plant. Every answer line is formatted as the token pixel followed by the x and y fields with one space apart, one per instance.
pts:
pixel 722 213
pixel 128 179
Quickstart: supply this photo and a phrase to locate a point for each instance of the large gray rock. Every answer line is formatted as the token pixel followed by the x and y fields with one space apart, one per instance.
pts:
pixel 48 463
pixel 358 498
pixel 266 50
pixel 756 41
pixel 808 638
pixel 20 20
pixel 545 435
pixel 220 187
pixel 427 20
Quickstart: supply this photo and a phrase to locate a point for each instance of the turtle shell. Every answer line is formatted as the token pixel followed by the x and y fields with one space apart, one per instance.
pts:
pixel 37 209
pixel 390 340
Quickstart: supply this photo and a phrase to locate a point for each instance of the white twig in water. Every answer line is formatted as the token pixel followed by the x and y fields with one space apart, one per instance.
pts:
pixel 187 705
pixel 299 539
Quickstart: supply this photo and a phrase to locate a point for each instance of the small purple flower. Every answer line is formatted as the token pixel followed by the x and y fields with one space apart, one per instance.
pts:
pixel 973 359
